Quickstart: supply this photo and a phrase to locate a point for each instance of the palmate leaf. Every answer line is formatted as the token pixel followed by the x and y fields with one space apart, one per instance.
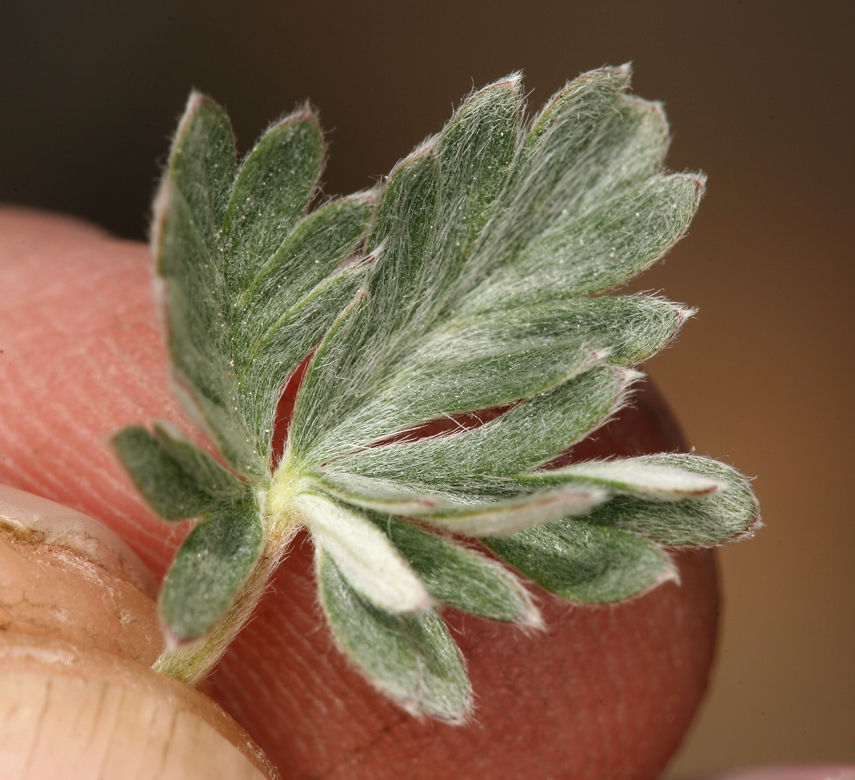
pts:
pixel 469 281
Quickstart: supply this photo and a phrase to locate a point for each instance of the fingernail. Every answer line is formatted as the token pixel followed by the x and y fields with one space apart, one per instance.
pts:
pixel 33 517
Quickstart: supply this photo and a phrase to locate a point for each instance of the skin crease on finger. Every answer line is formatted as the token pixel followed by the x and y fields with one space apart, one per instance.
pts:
pixel 602 692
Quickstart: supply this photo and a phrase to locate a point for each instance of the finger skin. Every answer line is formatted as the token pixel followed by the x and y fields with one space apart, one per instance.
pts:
pixel 602 693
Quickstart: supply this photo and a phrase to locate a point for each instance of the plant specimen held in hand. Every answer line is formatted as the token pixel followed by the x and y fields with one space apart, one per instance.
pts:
pixel 469 280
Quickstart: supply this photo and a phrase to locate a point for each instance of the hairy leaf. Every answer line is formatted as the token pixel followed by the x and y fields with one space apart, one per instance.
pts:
pixel 247 281
pixel 411 658
pixel 209 569
pixel 177 478
pixel 725 514
pixel 460 577
pixel 364 555
pixel 529 434
pixel 584 562
pixel 467 283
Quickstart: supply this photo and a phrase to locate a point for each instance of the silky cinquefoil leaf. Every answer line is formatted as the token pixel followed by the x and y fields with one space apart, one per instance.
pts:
pixel 726 514
pixel 209 569
pixel 466 287
pixel 340 375
pixel 272 189
pixel 240 265
pixel 460 577
pixel 640 477
pixel 427 357
pixel 554 163
pixel 424 236
pixel 284 346
pixel 364 555
pixel 197 332
pixel 202 164
pixel 514 514
pixel 411 658
pixel 177 478
pixel 583 562
pixel 528 435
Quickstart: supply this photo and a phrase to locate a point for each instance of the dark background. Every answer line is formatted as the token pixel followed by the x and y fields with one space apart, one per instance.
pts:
pixel 760 97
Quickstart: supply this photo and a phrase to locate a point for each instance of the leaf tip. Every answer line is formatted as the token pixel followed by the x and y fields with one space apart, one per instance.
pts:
pixel 306 113
pixel 684 313
pixel 195 100
pixel 699 179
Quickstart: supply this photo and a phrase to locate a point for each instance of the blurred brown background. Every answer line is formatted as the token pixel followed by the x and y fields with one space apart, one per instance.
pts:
pixel 760 97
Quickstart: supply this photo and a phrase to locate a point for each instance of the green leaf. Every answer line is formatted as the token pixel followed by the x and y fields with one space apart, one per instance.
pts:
pixel 460 577
pixel 313 251
pixel 641 477
pixel 559 154
pixel 272 189
pixel 584 562
pixel 433 336
pixel 726 514
pixel 176 478
pixel 426 226
pixel 364 555
pixel 197 333
pixel 528 496
pixel 469 281
pixel 202 164
pixel 581 255
pixel 209 569
pixel 340 376
pixel 514 514
pixel 243 273
pixel 411 658
pixel 529 434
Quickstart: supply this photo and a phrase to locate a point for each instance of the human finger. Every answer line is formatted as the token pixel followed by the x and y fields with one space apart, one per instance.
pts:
pixel 603 692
